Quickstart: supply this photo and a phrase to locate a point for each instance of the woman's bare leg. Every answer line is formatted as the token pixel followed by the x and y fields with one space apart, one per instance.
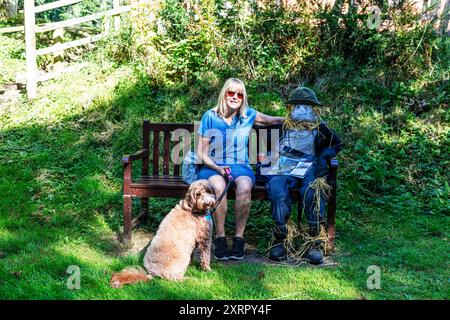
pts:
pixel 218 184
pixel 242 205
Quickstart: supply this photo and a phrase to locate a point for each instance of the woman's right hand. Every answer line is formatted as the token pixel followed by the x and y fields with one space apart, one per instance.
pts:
pixel 221 170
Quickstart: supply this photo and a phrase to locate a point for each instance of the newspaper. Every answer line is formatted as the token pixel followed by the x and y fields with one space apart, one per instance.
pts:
pixel 286 166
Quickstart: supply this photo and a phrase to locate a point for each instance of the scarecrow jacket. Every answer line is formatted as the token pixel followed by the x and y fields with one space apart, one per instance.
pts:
pixel 327 145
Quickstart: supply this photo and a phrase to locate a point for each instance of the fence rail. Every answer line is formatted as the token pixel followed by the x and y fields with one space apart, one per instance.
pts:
pixel 68 45
pixel 12 29
pixel 54 5
pixel 80 20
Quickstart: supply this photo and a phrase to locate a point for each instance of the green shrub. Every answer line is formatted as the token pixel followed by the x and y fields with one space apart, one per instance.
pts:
pixel 12 58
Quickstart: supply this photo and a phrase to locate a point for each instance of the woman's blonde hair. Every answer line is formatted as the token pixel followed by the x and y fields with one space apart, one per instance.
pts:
pixel 235 85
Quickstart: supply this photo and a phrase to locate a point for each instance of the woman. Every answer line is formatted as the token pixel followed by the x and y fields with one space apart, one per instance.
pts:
pixel 224 135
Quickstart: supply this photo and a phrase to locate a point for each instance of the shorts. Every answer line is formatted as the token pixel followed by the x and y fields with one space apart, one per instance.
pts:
pixel 237 170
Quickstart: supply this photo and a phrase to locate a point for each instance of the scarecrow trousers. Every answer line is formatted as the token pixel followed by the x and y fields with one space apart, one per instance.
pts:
pixel 278 188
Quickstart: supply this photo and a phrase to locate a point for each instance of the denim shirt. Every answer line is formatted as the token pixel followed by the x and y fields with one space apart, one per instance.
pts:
pixel 228 143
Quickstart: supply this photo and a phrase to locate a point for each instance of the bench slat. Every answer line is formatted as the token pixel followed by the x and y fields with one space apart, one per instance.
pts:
pixel 155 152
pixel 257 142
pixel 146 145
pixel 176 170
pixel 174 187
pixel 171 126
pixel 166 156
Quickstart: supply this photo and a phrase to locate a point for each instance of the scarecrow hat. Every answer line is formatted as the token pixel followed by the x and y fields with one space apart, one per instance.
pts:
pixel 303 95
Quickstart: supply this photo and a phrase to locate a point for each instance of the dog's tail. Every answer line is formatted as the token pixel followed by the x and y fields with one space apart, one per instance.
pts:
pixel 129 275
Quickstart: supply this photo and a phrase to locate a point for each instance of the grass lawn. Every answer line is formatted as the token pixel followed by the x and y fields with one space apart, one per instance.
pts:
pixel 61 205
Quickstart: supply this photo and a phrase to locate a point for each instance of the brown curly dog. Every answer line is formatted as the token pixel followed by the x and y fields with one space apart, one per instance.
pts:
pixel 186 227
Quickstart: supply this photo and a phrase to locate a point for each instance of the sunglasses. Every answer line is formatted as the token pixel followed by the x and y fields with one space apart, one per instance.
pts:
pixel 232 93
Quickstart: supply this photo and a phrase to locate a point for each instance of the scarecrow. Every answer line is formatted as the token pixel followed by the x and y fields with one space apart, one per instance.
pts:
pixel 304 136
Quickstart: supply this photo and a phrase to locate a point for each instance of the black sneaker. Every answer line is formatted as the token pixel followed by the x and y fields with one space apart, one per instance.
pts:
pixel 220 248
pixel 237 251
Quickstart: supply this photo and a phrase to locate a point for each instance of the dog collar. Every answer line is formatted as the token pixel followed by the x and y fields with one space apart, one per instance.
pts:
pixel 207 215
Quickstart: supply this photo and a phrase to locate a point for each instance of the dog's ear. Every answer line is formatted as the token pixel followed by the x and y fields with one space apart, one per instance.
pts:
pixel 202 185
pixel 210 188
pixel 189 199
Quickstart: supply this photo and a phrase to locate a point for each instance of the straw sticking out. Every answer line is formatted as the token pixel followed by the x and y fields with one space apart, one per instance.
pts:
pixel 298 241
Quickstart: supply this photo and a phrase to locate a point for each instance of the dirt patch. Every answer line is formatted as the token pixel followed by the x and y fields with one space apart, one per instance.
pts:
pixel 141 239
pixel 252 255
pixel 257 258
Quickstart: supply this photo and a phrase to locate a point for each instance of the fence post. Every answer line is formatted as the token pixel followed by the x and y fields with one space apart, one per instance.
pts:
pixel 30 44
pixel 116 5
pixel 106 20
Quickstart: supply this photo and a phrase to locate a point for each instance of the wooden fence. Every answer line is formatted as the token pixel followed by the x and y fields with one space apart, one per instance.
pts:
pixel 58 47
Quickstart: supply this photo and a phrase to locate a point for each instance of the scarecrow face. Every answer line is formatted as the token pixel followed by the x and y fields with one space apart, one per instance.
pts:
pixel 302 112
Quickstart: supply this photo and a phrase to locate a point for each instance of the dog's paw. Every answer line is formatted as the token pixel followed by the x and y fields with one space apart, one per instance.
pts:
pixel 115 281
pixel 115 284
pixel 206 268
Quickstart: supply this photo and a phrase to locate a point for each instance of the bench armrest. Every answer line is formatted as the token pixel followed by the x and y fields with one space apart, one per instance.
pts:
pixel 334 163
pixel 132 157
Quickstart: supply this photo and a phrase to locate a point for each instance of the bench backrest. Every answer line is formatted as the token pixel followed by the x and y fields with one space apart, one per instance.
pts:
pixel 161 149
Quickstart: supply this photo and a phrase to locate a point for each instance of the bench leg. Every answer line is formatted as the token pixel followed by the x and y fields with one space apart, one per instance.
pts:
pixel 331 219
pixel 142 215
pixel 299 213
pixel 144 209
pixel 331 233
pixel 127 221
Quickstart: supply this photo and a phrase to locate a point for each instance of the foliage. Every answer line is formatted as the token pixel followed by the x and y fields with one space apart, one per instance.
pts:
pixel 11 58
pixel 276 44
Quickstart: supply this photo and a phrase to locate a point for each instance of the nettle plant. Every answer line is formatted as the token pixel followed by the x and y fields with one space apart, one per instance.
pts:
pixel 383 13
pixel 174 39
pixel 181 41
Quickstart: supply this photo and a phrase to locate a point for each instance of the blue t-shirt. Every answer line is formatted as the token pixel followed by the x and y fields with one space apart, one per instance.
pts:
pixel 228 143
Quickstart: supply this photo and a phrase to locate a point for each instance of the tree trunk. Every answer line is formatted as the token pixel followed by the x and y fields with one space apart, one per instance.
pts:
pixel 11 7
pixel 444 27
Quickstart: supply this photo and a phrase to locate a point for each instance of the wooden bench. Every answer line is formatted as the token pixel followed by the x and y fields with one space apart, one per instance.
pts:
pixel 167 183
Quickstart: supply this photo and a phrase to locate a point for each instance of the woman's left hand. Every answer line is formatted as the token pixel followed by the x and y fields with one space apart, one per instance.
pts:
pixel 266 120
